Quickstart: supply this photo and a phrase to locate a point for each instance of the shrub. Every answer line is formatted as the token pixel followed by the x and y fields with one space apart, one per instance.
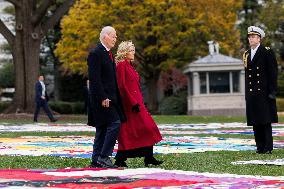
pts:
pixel 280 83
pixel 67 107
pixel 7 76
pixel 280 104
pixel 3 106
pixel 174 105
pixel 71 88
pixel 78 107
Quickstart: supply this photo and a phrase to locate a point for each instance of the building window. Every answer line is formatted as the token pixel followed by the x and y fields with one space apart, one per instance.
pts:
pixel 236 82
pixel 219 82
pixel 203 82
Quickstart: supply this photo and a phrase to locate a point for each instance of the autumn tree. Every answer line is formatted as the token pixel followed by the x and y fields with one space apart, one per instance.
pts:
pixel 33 19
pixel 166 33
pixel 172 81
pixel 249 16
pixel 272 18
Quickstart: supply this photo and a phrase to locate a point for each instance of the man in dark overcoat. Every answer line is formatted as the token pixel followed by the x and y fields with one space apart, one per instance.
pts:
pixel 261 84
pixel 105 98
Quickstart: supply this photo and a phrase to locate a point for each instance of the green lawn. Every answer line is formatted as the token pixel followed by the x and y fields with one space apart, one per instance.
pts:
pixel 160 119
pixel 181 119
pixel 214 162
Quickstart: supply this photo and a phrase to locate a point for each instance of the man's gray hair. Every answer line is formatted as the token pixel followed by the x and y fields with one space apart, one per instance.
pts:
pixel 106 30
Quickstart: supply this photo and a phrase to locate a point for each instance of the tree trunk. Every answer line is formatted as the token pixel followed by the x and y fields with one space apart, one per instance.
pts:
pixel 26 62
pixel 31 26
pixel 152 100
pixel 31 74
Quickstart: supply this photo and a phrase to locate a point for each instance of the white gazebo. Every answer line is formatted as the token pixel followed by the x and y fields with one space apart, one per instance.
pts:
pixel 216 84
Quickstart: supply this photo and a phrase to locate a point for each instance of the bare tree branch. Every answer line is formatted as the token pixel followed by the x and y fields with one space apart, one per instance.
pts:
pixel 14 2
pixel 9 36
pixel 50 23
pixel 40 12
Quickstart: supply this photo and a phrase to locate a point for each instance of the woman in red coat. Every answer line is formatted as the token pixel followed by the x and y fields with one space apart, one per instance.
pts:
pixel 139 133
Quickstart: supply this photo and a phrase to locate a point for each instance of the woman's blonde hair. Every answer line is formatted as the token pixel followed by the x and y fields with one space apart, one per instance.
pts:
pixel 123 48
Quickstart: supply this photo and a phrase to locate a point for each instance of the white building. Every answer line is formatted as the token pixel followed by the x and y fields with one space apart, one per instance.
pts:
pixel 216 84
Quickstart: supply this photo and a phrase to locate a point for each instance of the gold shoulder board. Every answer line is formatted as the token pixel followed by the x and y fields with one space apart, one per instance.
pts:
pixel 245 58
pixel 267 48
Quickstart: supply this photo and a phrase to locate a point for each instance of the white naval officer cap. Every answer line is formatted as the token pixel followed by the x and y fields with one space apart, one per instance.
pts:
pixel 253 30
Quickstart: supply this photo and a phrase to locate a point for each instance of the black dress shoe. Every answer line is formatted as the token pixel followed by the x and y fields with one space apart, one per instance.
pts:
pixel 119 163
pixel 95 165
pixel 105 162
pixel 259 151
pixel 151 161
pixel 268 152
pixel 53 120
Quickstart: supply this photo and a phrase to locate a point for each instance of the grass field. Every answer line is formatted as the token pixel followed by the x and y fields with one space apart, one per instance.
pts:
pixel 160 119
pixel 214 162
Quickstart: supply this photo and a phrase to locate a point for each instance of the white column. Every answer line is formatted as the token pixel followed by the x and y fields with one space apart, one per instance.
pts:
pixel 242 81
pixel 196 83
pixel 231 81
pixel 207 83
pixel 189 83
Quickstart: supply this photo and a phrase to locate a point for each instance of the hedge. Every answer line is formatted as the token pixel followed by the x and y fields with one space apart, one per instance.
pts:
pixel 174 105
pixel 67 107
pixel 3 106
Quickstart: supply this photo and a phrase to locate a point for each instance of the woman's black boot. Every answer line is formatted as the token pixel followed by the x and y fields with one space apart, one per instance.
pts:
pixel 150 160
pixel 120 163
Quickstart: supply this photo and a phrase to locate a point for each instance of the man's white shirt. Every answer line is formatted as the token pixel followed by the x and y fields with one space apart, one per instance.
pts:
pixel 43 88
pixel 253 51
pixel 105 47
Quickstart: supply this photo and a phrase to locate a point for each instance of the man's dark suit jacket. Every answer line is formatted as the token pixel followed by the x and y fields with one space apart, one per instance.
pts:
pixel 38 92
pixel 103 85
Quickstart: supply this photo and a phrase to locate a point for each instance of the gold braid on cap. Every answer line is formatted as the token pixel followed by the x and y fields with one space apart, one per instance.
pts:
pixel 245 58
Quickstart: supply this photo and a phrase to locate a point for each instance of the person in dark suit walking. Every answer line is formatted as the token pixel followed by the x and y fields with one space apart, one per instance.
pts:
pixel 41 99
pixel 105 99
pixel 261 85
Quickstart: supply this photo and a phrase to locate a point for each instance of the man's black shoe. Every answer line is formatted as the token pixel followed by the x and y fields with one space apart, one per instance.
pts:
pixel 259 151
pixel 95 165
pixel 105 162
pixel 268 152
pixel 263 151
pixel 53 120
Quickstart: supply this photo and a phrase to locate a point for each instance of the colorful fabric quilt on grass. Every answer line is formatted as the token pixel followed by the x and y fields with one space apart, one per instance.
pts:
pixel 164 128
pixel 276 132
pixel 260 162
pixel 81 146
pixel 132 178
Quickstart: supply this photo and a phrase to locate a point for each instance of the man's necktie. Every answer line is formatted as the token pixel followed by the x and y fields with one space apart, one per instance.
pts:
pixel 110 55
